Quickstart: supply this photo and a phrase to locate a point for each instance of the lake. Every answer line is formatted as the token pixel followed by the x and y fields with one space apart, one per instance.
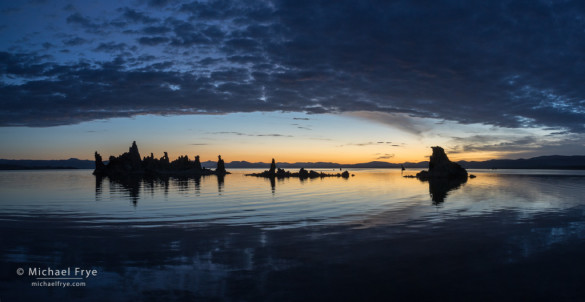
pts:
pixel 506 235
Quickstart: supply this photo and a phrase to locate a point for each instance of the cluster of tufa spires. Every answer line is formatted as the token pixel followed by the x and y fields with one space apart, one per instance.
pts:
pixel 274 172
pixel 131 163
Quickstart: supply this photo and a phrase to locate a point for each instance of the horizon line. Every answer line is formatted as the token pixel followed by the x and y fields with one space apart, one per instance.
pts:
pixel 312 162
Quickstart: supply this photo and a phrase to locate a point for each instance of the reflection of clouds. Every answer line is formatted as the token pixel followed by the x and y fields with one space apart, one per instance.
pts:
pixel 208 270
pixel 549 232
pixel 529 193
pixel 215 261
pixel 221 246
pixel 136 263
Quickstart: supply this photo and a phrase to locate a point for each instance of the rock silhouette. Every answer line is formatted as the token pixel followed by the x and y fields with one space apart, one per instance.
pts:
pixel 443 175
pixel 273 167
pixel 441 167
pixel 275 172
pixel 130 163
pixel 220 166
pixel 197 163
pixel 99 164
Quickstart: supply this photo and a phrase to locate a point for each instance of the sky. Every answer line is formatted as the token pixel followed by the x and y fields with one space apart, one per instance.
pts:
pixel 340 81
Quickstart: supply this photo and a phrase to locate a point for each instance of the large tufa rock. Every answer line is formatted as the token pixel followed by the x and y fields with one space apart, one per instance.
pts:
pixel 100 168
pixel 441 167
pixel 197 163
pixel 220 166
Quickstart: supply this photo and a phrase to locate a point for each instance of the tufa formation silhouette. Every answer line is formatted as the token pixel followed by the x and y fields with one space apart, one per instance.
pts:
pixel 441 167
pixel 274 172
pixel 443 175
pixel 130 163
pixel 220 166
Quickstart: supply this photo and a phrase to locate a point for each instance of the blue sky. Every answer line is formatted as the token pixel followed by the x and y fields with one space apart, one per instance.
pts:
pixel 298 80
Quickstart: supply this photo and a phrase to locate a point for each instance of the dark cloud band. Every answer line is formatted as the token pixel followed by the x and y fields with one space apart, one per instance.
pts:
pixel 504 63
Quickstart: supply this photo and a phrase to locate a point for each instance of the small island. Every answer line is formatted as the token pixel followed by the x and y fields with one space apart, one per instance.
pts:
pixel 441 167
pixel 274 172
pixel 443 175
pixel 130 164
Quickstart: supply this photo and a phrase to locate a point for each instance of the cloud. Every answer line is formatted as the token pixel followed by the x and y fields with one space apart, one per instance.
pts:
pixel 517 146
pixel 111 47
pixel 404 122
pixel 500 63
pixel 156 30
pixel 135 16
pixel 152 40
pixel 160 3
pixel 385 156
pixel 69 7
pixel 494 143
pixel 75 41
pixel 273 135
pixel 248 134
pixel 360 144
pixel 228 132
pixel 81 20
pixel 10 10
pixel 368 144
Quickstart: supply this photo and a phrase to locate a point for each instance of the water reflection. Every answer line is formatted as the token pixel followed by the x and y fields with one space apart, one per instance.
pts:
pixel 197 180
pixel 230 262
pixel 131 185
pixel 273 185
pixel 220 183
pixel 197 239
pixel 98 187
pixel 439 188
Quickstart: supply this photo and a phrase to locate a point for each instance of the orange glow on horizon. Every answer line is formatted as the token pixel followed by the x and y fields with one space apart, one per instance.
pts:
pixel 253 137
pixel 341 156
pixel 280 154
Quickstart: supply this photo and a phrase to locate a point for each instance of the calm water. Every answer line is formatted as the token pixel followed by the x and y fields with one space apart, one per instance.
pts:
pixel 505 235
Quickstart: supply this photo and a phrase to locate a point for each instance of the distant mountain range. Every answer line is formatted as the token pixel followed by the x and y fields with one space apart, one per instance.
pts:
pixel 541 162
pixel 307 165
pixel 27 164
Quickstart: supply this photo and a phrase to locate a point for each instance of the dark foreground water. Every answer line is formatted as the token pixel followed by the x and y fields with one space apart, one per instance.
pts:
pixel 503 236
